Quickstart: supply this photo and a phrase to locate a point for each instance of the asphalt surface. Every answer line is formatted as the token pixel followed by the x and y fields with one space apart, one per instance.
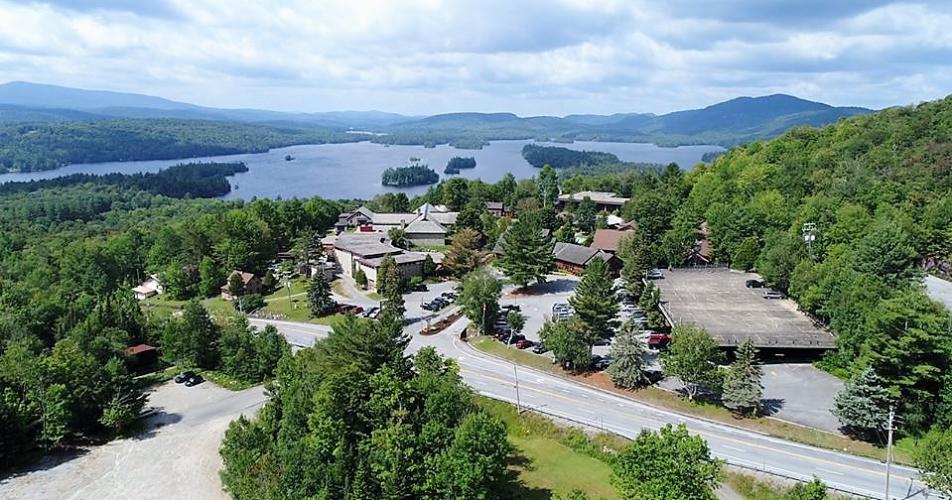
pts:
pixel 548 394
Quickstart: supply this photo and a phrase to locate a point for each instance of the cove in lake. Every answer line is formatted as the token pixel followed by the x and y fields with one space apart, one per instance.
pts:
pixel 352 170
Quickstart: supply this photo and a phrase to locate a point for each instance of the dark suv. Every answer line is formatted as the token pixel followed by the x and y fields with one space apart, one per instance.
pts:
pixel 754 284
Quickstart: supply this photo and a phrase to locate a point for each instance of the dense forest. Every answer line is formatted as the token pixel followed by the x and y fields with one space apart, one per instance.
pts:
pixel 559 157
pixel 457 163
pixel 875 191
pixel 26 147
pixel 413 175
pixel 70 254
pixel 192 180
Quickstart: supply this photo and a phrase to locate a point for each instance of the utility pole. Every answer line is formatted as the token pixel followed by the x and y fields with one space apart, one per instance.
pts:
pixel 287 284
pixel 515 374
pixel 889 443
pixel 809 236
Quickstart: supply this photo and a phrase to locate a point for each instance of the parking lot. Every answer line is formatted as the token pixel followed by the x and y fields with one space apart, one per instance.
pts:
pixel 175 456
pixel 718 301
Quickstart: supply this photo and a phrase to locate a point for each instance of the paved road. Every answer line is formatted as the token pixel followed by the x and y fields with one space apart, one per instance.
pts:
pixel 549 394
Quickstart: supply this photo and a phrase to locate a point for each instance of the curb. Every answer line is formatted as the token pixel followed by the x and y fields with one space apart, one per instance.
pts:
pixel 677 412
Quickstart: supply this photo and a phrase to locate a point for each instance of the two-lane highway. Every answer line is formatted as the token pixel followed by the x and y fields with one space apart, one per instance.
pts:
pixel 546 393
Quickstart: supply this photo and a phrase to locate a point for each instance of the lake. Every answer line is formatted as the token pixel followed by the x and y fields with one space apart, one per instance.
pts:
pixel 352 170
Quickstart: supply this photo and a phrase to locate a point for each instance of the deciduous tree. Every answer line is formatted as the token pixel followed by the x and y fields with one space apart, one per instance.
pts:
pixel 667 465
pixel 692 357
pixel 479 298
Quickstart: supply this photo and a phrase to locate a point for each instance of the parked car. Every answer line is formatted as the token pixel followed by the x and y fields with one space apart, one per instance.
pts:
pixel 449 296
pixel 540 348
pixel 516 338
pixel 371 312
pixel 754 283
pixel 512 307
pixel 654 274
pixel 419 287
pixel 194 380
pixel 655 340
pixel 182 377
pixel 600 362
pixel 524 344
pixel 602 341
pixel 773 294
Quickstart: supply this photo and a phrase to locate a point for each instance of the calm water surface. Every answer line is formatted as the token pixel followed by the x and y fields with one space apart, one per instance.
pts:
pixel 353 170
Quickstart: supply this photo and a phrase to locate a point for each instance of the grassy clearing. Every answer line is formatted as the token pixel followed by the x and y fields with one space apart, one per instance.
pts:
pixel 753 488
pixel 340 289
pixel 157 377
pixel 226 381
pixel 668 400
pixel 549 460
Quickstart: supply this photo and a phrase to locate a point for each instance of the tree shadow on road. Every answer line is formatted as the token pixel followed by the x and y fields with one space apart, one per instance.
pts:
pixel 558 285
pixel 38 463
pixel 150 426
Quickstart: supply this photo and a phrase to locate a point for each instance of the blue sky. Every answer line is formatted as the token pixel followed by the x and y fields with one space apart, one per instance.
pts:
pixel 529 57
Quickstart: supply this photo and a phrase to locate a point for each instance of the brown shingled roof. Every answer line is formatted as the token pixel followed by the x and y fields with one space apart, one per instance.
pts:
pixel 607 239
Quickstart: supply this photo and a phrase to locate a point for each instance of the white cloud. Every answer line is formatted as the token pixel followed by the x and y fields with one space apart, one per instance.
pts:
pixel 531 57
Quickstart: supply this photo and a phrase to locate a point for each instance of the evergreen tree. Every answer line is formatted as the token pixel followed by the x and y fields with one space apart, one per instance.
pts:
pixel 585 215
pixel 635 255
pixel 360 277
pixel 862 406
pixel 390 287
pixel 650 303
pixel 627 366
pixel 527 252
pixel 429 267
pixel 319 298
pixel 594 301
pixel 742 385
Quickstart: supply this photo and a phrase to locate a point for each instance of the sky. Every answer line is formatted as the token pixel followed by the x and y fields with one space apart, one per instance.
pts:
pixel 531 57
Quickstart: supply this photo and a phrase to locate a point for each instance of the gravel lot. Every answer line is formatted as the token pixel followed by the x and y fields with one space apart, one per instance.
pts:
pixel 176 456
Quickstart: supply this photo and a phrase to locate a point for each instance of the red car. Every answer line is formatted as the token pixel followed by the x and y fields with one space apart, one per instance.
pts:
pixel 524 344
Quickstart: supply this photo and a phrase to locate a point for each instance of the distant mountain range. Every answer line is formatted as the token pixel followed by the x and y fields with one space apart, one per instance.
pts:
pixel 34 101
pixel 727 123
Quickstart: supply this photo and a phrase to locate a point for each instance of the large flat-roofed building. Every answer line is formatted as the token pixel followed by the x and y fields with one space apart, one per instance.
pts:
pixel 604 201
pixel 719 301
pixel 350 247
pixel 366 251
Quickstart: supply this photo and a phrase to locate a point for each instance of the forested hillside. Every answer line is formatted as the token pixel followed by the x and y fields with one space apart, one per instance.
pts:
pixel 26 147
pixel 71 250
pixel 878 189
